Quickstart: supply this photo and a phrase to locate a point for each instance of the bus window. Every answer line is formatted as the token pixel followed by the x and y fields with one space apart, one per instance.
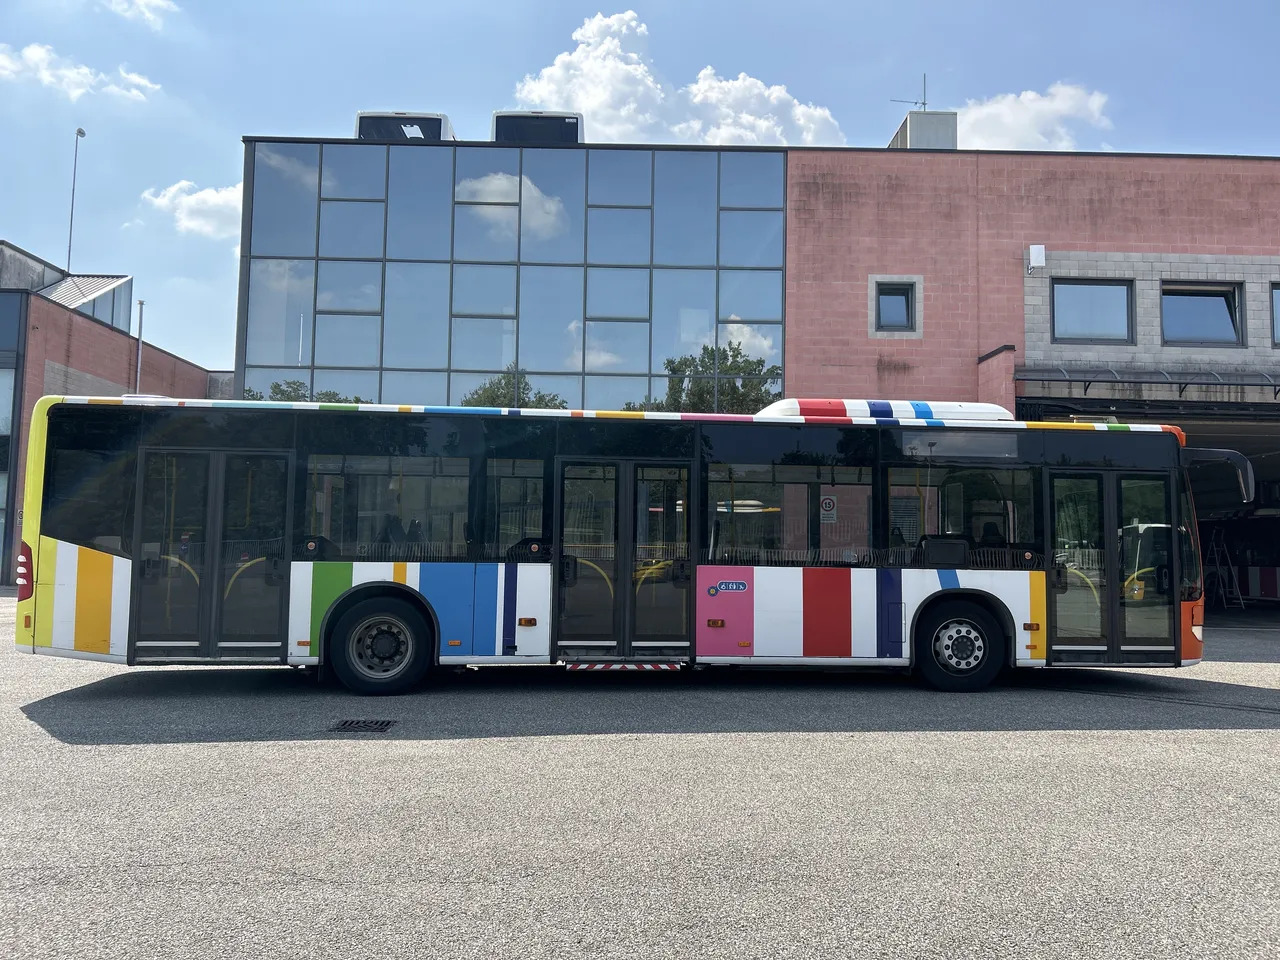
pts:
pixel 514 511
pixel 90 480
pixel 1188 542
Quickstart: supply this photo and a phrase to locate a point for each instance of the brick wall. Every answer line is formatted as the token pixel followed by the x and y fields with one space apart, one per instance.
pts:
pixel 962 222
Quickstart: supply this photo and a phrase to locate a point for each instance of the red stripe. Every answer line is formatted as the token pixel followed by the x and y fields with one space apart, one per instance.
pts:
pixel 822 408
pixel 828 612
pixel 1267 581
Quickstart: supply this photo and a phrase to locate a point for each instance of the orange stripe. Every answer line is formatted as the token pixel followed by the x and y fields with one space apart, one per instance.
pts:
pixel 400 572
pixel 93 601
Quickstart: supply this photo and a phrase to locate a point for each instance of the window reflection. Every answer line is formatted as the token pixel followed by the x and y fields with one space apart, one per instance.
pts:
pixel 354 171
pixel 684 208
pixel 347 340
pixel 345 386
pixel 415 388
pixel 484 232
pixel 285 179
pixel 552 190
pixel 551 318
pixel 756 341
pixel 349 285
pixel 483 343
pixel 750 179
pixel 484 290
pixel 350 228
pixel 281 293
pixel 487 175
pixel 614 347
pixel 750 238
pixel 684 394
pixel 616 393
pixel 416 312
pixel 552 392
pixel 418 203
pixel 277 383
pixel 482 389
pixel 613 292
pixel 621 177
pixel 684 305
pixel 750 295
pixel 618 236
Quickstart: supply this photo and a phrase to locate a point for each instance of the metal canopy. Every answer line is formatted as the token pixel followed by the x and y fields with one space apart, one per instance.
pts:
pixel 1179 378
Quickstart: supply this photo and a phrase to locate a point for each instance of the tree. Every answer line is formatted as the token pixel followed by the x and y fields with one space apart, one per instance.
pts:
pixel 295 391
pixel 499 391
pixel 744 384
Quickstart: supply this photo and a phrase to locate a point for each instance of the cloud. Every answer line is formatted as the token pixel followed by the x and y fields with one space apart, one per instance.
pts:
pixel 39 62
pixel 610 80
pixel 752 339
pixel 543 215
pixel 150 12
pixel 1031 120
pixel 212 212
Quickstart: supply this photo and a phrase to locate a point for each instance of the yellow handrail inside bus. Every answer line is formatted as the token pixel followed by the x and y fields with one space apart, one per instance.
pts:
pixel 607 582
pixel 243 567
pixel 184 564
pixel 1092 588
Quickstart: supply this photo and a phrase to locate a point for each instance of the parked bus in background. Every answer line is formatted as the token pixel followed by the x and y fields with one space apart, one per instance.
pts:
pixel 386 542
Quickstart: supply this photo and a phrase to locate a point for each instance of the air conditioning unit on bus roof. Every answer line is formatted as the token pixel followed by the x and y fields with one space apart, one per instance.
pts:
pixel 536 127
pixel 886 409
pixel 403 125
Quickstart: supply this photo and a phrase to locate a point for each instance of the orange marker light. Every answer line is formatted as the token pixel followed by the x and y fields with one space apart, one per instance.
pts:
pixel 527 622
pixel 715 623
pixel 455 643
pixel 744 643
pixel 1030 627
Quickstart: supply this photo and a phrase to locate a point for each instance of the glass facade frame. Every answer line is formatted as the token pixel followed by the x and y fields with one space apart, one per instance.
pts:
pixel 469 220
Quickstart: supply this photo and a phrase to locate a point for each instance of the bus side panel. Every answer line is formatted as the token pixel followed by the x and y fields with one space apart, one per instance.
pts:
pixel 26 629
pixel 81 602
pixel 1191 623
pixel 1022 592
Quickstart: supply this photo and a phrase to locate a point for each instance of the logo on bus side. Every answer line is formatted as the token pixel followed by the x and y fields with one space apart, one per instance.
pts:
pixel 728 586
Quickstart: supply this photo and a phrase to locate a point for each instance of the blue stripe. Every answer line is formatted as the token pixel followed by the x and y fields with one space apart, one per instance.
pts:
pixel 888 612
pixel 934 423
pixel 449 588
pixel 879 408
pixel 510 571
pixel 923 410
pixel 948 580
pixel 486 609
pixel 886 422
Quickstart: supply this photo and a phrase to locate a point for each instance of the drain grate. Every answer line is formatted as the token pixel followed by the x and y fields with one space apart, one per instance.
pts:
pixel 363 726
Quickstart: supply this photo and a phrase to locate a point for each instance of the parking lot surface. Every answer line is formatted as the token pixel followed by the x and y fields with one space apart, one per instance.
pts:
pixel 535 813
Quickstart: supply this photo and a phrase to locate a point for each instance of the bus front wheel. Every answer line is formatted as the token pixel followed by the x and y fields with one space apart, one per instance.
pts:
pixel 380 646
pixel 959 647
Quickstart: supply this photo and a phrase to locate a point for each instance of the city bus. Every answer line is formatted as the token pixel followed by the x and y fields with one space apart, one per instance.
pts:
pixel 382 543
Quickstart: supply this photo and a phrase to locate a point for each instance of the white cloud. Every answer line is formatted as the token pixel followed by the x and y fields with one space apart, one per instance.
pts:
pixel 1031 120
pixel 610 80
pixel 754 342
pixel 544 215
pixel 150 12
pixel 131 224
pixel 212 212
pixel 39 62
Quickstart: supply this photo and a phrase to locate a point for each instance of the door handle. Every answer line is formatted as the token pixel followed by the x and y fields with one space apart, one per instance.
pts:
pixel 150 568
pixel 275 570
pixel 1058 578
pixel 568 570
pixel 681 571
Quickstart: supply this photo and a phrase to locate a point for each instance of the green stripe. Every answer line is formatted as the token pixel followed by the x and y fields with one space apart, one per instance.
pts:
pixel 1117 426
pixel 328 582
pixel 339 406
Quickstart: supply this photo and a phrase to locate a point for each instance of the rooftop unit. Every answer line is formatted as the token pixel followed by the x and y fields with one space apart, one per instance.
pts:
pixel 926 130
pixel 536 127
pixel 403 125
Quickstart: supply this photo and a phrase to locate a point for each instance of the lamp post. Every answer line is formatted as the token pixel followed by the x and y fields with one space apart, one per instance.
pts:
pixel 75 162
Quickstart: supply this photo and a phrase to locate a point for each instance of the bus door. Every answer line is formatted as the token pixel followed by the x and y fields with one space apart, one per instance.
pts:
pixel 623 567
pixel 211 579
pixel 1112 585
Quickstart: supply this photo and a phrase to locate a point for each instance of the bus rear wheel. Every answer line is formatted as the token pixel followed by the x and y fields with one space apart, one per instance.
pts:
pixel 380 646
pixel 959 647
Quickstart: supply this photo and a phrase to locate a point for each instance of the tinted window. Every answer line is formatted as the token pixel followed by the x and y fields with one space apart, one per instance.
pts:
pixel 618 236
pixel 281 293
pixel 684 208
pixel 412 387
pixel 753 341
pixel 605 438
pixel 617 293
pixel 483 390
pixel 551 392
pixel 616 347
pixel 399 128
pixel 349 285
pixel 345 386
pixel 285 179
pixel 684 306
pixel 416 315
pixel 1207 314
pixel 351 229
pixel 535 129
pixel 90 479
pixel 484 290
pixel 616 393
pixel 483 343
pixel 355 172
pixel 10 318
pixel 751 179
pixel 894 308
pixel 621 177
pixel 750 238
pixel 485 232
pixel 418 203
pixel 1090 311
pixel 277 383
pixel 487 175
pixel 347 340
pixel 551 318
pixel 750 295
pixel 190 427
pixel 552 196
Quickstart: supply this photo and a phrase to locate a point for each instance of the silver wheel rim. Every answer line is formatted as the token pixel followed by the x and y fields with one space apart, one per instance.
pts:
pixel 380 647
pixel 959 647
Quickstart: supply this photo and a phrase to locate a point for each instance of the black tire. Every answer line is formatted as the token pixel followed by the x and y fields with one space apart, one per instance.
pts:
pixel 382 645
pixel 959 647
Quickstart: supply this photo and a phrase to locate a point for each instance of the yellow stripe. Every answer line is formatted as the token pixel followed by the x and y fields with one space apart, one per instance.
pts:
pixel 1038 637
pixel 1049 425
pixel 400 573
pixel 93 601
pixel 620 414
pixel 47 564
pixel 33 495
pixel 113 401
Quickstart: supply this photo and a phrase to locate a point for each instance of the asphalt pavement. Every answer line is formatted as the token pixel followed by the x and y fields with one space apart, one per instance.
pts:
pixel 535 813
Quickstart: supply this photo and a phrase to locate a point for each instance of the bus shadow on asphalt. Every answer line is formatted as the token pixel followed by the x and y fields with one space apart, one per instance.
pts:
pixel 255 705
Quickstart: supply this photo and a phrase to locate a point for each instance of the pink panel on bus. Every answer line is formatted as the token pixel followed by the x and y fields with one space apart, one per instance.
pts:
pixel 728 594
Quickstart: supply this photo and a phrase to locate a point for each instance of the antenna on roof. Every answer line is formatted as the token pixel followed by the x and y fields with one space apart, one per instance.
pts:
pixel 923 102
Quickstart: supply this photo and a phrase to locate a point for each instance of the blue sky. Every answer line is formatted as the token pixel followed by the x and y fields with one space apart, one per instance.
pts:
pixel 166 89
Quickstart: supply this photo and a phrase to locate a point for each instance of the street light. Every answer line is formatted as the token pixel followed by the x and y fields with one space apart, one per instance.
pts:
pixel 74 163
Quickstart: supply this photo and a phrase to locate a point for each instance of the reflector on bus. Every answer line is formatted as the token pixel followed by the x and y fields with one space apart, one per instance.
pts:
pixel 886 409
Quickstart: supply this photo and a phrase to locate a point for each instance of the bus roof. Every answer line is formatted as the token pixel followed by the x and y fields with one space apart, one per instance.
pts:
pixel 893 411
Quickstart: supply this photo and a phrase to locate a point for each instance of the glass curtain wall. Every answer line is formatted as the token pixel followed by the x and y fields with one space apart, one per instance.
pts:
pixel 498 276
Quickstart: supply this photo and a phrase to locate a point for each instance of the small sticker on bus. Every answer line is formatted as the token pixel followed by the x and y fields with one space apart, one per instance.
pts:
pixel 728 586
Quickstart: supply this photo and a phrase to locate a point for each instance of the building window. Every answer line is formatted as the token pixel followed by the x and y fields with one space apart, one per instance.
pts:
pixel 895 307
pixel 1275 314
pixel 1204 313
pixel 1092 310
